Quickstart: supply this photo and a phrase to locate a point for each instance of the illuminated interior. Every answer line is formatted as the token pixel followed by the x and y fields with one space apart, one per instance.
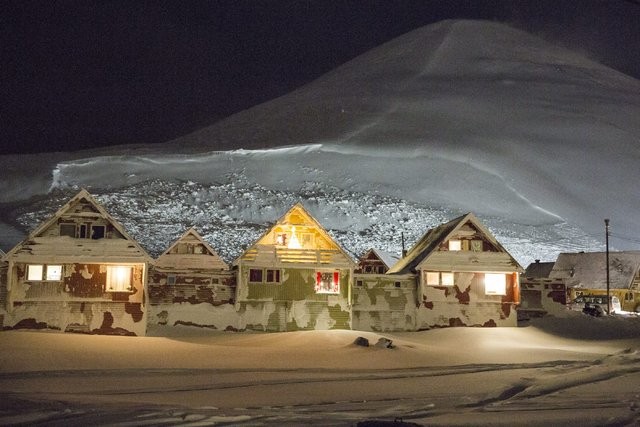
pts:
pixel 455 245
pixel 328 282
pixel 34 271
pixel 434 278
pixel 294 243
pixel 119 278
pixel 495 284
pixel 54 272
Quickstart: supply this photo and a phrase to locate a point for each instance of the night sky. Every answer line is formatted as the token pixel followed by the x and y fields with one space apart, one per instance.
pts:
pixel 81 74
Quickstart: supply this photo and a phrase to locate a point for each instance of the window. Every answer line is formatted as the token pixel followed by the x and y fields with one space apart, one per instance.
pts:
pixel 381 269
pixel 119 278
pixel 495 284
pixel 327 282
pixel 433 278
pixel 397 284
pixel 306 239
pixel 455 245
pixel 273 276
pixel 68 230
pixel 97 232
pixel 255 275
pixel 34 271
pixel 281 239
pixel 171 279
pixel 476 245
pixel 359 283
pixel 54 272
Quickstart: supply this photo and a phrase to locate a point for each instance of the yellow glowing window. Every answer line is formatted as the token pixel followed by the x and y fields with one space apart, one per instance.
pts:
pixel 455 245
pixel 447 279
pixel 495 284
pixel 54 272
pixel 119 278
pixel 433 279
pixel 34 271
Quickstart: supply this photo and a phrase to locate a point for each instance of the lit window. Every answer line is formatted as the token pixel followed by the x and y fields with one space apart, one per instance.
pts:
pixel 294 243
pixel 255 275
pixel 433 279
pixel 447 279
pixel 34 271
pixel 455 245
pixel 273 276
pixel 281 239
pixel 54 272
pixel 119 278
pixel 495 284
pixel 328 282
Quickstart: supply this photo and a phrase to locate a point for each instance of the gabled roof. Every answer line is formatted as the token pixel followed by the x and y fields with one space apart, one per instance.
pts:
pixel 588 270
pixel 211 259
pixel 307 218
pixel 538 270
pixel 387 258
pixel 436 236
pixel 36 243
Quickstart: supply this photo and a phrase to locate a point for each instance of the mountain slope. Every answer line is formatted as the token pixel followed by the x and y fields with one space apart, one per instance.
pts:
pixel 457 116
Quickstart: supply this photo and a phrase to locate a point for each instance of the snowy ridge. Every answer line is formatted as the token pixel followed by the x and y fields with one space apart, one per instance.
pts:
pixel 454 117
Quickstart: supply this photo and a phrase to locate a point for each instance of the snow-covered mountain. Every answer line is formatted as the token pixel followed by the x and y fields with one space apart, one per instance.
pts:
pixel 540 142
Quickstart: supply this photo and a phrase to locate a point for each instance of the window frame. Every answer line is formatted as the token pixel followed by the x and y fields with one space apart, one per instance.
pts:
pixel 333 288
pixel 119 270
pixel 502 285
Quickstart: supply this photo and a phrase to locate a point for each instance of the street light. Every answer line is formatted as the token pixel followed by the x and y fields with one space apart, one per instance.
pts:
pixel 606 229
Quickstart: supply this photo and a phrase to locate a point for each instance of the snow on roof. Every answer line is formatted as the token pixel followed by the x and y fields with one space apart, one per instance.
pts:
pixel 539 270
pixel 588 269
pixel 434 237
pixel 211 259
pixel 387 258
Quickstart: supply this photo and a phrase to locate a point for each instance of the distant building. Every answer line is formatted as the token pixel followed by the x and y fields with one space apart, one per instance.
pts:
pixel 586 273
pixel 541 295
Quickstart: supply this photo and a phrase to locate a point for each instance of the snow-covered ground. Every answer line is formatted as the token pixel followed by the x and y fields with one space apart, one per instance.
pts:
pixel 577 370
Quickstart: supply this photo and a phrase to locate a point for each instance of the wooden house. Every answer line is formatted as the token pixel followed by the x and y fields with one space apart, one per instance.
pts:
pixel 190 284
pixel 541 295
pixel 382 302
pixel 295 276
pixel 464 277
pixel 78 272
pixel 586 273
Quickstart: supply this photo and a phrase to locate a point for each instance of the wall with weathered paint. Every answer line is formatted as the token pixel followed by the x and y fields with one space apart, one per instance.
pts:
pixel 292 304
pixel 464 304
pixel 77 303
pixel 384 303
pixel 541 297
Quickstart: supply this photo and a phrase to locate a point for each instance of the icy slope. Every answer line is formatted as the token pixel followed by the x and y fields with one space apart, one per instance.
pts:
pixel 454 117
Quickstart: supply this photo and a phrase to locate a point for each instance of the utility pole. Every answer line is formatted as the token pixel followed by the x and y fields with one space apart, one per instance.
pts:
pixel 606 229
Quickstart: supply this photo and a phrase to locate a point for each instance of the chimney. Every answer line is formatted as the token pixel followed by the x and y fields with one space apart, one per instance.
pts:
pixel 404 251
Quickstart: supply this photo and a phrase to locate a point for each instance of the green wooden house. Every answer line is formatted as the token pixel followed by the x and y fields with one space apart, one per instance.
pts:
pixel 294 277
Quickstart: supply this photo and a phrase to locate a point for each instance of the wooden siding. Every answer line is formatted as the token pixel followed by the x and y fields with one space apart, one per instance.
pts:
pixel 384 303
pixel 469 261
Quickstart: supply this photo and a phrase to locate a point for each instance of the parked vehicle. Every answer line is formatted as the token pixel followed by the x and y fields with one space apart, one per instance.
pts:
pixel 595 305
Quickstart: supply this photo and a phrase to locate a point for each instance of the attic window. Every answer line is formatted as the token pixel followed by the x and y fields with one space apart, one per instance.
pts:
pixel 68 230
pixel 54 273
pixel 455 245
pixel 273 276
pixel 34 272
pixel 119 278
pixel 495 284
pixel 97 232
pixel 327 282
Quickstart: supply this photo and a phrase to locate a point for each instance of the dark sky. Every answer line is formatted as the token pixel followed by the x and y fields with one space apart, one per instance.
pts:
pixel 80 74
